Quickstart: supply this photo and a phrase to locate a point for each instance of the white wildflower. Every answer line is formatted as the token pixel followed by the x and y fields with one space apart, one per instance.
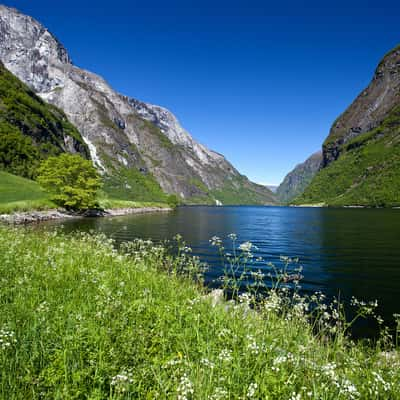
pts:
pixel 225 355
pixel 7 338
pixel 252 390
pixel 185 388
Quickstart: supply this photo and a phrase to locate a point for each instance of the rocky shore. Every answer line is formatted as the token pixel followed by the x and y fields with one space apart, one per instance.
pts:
pixel 28 217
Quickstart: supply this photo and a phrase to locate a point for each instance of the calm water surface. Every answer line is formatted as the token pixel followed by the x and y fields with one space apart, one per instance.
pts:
pixel 346 252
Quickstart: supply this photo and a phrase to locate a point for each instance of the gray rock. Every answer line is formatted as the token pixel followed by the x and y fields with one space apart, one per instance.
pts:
pixel 369 109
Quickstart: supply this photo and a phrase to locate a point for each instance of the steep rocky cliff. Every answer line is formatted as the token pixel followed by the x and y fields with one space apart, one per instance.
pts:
pixel 140 148
pixel 299 178
pixel 369 109
pixel 361 155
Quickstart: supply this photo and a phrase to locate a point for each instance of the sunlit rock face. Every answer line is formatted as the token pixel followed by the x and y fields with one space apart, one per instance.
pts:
pixel 369 109
pixel 122 134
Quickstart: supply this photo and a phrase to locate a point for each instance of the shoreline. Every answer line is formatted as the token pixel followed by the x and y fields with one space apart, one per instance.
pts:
pixel 30 217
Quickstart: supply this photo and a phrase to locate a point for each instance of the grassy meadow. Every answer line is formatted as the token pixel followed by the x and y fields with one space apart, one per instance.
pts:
pixel 19 194
pixel 82 320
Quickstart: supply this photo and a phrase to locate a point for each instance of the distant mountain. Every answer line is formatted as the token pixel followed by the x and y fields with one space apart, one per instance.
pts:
pixel 361 155
pixel 31 129
pixel 272 188
pixel 299 178
pixel 141 149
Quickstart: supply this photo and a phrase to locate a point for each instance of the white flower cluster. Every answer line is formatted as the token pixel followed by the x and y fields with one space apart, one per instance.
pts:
pixel 185 388
pixel 225 355
pixel 219 394
pixel 122 381
pixel 215 241
pixel 252 390
pixel 43 307
pixel 252 345
pixel 348 389
pixel 295 396
pixel 207 363
pixel 273 302
pixel 7 338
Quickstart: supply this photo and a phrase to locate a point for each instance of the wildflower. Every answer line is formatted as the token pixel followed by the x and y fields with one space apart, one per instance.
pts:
pixel 252 390
pixel 245 298
pixel 121 378
pixel 349 389
pixel 295 396
pixel 207 363
pixel 173 362
pixel 7 338
pixel 225 355
pixel 185 388
pixel 252 346
pixel 216 241
pixel 219 394
pixel 232 236
pixel 257 275
pixel 246 247
pixel 122 381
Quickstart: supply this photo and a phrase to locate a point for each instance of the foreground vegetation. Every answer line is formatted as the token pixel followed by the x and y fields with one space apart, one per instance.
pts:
pixel 81 320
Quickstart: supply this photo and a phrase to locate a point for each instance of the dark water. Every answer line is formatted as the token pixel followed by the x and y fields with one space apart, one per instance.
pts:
pixel 346 252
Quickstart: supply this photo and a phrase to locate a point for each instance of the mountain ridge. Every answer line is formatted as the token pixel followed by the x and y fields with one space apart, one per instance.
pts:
pixel 132 143
pixel 361 155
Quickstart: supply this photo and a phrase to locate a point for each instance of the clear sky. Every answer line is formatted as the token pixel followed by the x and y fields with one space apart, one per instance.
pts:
pixel 259 81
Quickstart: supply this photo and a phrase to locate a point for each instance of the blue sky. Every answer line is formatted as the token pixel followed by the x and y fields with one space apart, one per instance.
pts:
pixel 259 81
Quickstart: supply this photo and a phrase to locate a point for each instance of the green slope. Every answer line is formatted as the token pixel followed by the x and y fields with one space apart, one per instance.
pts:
pixel 31 129
pixel 17 194
pixel 367 173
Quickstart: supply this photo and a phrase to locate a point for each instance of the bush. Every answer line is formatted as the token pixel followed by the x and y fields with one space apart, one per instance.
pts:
pixel 173 200
pixel 18 155
pixel 71 180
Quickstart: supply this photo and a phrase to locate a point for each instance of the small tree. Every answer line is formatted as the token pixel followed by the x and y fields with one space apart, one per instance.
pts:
pixel 71 180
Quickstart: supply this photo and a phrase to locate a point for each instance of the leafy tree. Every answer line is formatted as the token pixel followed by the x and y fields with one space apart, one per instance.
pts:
pixel 173 200
pixel 71 180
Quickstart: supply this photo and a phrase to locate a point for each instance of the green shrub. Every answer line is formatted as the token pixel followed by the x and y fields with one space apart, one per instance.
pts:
pixel 71 180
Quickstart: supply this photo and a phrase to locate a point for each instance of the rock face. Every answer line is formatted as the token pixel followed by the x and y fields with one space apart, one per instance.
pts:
pixel 361 156
pixel 369 109
pixel 298 179
pixel 137 146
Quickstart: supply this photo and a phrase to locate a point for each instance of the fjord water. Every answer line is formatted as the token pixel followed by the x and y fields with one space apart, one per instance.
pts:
pixel 344 252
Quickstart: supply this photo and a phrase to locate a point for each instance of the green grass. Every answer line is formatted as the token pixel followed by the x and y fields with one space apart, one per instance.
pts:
pixel 20 194
pixel 80 320
pixel 241 191
pixel 367 173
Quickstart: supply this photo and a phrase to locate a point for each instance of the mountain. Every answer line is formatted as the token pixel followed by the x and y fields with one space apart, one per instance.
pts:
pixel 361 155
pixel 31 129
pixel 272 188
pixel 299 178
pixel 141 149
